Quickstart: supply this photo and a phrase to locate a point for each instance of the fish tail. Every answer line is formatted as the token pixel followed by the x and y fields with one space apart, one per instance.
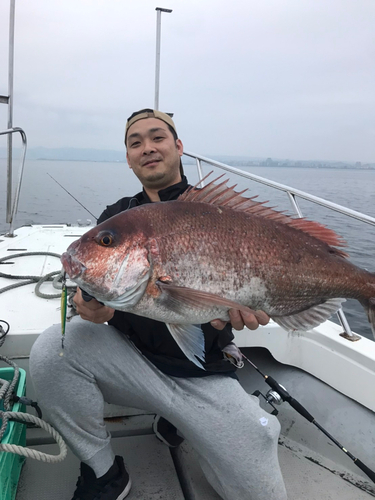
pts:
pixel 369 306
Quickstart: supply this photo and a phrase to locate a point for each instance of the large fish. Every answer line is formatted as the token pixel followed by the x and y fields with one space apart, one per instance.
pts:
pixel 187 262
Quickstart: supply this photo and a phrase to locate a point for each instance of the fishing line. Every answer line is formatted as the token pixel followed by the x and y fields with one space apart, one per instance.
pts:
pixel 285 396
pixel 70 194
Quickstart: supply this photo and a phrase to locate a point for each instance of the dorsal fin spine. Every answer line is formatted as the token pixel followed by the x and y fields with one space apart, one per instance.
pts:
pixel 241 202
pixel 209 192
pixel 215 194
pixel 222 193
pixel 206 190
pixel 231 198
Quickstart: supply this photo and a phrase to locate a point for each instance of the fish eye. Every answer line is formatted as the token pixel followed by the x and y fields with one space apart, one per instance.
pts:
pixel 105 240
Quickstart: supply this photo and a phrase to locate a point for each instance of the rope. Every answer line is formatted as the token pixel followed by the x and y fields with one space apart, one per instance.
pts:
pixel 29 452
pixel 6 393
pixel 7 388
pixel 12 385
pixel 48 277
pixel 39 280
pixel 4 424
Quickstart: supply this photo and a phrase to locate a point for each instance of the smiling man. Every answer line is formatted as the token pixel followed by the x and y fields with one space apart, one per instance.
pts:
pixel 154 152
pixel 134 361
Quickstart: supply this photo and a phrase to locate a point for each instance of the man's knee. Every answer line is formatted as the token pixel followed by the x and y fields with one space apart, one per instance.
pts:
pixel 83 341
pixel 47 353
pixel 39 353
pixel 42 361
pixel 272 426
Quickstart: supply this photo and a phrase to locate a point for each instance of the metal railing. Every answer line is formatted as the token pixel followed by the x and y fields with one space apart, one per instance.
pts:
pixel 12 205
pixel 292 194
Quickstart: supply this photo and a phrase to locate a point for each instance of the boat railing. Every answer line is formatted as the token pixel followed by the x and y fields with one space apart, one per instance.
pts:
pixel 12 205
pixel 293 195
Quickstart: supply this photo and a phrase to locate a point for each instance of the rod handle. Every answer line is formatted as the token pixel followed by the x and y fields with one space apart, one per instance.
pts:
pixel 370 473
pixel 301 409
pixel 287 397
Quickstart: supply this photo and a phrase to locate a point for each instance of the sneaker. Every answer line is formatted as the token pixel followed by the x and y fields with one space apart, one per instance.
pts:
pixel 166 432
pixel 114 485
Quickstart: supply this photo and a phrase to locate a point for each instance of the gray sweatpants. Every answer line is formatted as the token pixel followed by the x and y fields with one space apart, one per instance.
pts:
pixel 235 439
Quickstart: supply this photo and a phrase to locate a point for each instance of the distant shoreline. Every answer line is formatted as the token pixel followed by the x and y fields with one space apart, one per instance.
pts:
pixel 239 164
pixel 232 164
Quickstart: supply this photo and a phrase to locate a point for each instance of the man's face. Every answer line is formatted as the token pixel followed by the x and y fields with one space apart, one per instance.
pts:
pixel 153 154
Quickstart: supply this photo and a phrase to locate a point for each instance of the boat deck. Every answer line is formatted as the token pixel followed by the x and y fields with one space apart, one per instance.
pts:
pixel 161 473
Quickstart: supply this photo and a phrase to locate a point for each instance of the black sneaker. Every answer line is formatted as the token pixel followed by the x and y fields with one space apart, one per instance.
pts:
pixel 114 485
pixel 166 432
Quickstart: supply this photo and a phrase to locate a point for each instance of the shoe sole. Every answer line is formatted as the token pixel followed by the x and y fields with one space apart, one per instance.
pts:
pixel 126 491
pixel 159 436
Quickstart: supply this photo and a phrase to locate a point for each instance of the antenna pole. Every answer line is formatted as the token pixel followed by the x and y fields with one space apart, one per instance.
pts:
pixel 159 10
pixel 10 109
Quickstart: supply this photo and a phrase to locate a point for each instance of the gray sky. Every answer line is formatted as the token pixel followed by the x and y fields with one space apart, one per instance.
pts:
pixel 280 78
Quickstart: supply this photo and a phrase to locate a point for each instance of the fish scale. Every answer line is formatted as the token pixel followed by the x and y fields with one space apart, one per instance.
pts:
pixel 264 262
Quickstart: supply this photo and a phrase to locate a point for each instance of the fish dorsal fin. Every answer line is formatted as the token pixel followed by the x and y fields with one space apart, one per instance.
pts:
pixel 220 194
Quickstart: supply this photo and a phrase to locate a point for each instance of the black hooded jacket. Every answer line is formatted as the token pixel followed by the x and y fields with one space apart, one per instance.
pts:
pixel 152 337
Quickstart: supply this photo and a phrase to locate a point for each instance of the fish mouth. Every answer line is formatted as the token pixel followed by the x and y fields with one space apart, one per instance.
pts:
pixel 72 266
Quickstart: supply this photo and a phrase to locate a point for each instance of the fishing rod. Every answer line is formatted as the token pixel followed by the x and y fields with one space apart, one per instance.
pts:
pixel 285 396
pixel 70 194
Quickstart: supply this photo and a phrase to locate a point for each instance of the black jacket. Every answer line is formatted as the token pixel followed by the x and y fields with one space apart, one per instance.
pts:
pixel 152 337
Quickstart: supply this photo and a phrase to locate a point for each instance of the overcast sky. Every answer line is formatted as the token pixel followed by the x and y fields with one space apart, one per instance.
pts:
pixel 269 78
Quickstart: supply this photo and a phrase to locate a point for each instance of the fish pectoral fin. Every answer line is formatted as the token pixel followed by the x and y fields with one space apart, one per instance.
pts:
pixel 181 296
pixel 306 320
pixel 190 339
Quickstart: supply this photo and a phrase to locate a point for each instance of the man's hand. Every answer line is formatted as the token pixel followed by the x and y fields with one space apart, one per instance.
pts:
pixel 92 311
pixel 240 319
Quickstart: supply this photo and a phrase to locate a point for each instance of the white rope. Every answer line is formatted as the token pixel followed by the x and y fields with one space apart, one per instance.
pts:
pixel 29 452
pixel 7 388
pixel 39 280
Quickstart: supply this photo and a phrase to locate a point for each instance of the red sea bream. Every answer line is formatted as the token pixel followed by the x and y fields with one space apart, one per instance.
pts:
pixel 187 262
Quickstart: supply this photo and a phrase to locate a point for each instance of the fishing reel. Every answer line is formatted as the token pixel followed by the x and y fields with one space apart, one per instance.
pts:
pixel 272 398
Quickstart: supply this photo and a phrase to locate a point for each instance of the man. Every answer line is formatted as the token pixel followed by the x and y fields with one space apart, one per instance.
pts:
pixel 134 361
